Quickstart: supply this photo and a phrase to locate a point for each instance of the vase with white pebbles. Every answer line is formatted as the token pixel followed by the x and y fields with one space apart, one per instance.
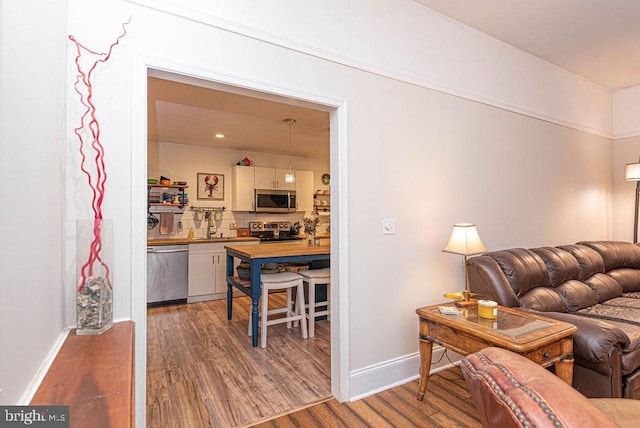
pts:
pixel 94 290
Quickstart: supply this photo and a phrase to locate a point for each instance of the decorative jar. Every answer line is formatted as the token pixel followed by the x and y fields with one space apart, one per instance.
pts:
pixel 94 288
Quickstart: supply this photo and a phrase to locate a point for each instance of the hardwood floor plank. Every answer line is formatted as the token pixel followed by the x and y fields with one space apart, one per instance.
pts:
pixel 407 393
pixel 203 372
pixel 202 368
pixel 396 407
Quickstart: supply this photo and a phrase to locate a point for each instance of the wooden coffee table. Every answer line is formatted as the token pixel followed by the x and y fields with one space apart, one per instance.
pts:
pixel 542 340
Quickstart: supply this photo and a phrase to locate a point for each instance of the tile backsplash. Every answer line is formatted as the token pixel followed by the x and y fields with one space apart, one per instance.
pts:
pixel 185 220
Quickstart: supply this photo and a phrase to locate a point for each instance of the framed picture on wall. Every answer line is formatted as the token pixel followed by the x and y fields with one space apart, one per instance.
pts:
pixel 210 186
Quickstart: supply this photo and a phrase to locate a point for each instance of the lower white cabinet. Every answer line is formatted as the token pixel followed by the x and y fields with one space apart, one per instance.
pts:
pixel 208 271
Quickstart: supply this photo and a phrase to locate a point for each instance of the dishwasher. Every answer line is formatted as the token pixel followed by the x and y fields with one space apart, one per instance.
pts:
pixel 167 274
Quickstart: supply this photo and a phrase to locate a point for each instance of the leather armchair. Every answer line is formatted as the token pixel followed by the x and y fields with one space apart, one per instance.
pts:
pixel 511 391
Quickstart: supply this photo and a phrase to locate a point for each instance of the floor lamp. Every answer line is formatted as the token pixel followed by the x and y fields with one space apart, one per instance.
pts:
pixel 632 173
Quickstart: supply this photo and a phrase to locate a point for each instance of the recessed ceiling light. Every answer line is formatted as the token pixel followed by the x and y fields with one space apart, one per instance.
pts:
pixel 219 135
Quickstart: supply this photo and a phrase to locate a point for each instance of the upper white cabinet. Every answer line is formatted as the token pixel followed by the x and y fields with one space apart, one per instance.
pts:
pixel 304 190
pixel 272 178
pixel 242 188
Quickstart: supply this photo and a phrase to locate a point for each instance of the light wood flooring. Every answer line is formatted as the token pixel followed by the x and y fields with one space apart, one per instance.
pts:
pixel 447 404
pixel 203 372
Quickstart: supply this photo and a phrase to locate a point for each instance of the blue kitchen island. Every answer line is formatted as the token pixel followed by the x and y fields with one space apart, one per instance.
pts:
pixel 256 256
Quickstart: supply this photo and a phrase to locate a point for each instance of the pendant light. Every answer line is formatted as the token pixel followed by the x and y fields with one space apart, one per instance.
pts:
pixel 290 177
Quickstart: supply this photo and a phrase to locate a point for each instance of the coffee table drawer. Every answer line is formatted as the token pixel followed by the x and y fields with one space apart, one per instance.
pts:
pixel 547 355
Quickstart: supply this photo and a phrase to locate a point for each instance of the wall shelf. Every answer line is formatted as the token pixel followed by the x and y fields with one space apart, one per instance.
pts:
pixel 322 204
pixel 180 188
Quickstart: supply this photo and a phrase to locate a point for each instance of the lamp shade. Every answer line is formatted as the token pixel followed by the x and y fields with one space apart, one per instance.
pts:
pixel 465 240
pixel 632 172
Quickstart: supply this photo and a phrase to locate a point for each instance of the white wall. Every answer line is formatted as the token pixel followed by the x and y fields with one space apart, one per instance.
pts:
pixel 626 103
pixel 417 155
pixel 32 145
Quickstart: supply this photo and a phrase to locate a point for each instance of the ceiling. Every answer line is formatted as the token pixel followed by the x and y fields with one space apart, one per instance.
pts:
pixel 190 111
pixel 596 39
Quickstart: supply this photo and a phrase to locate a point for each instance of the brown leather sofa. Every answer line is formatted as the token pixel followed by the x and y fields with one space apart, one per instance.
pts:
pixel 593 285
pixel 511 391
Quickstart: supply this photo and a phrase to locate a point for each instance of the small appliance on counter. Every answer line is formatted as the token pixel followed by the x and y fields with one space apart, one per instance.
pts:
pixel 272 231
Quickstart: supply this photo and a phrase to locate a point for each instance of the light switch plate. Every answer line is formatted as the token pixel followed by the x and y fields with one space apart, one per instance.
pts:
pixel 388 226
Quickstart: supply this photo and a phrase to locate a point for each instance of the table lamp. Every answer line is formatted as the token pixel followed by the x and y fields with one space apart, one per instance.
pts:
pixel 464 240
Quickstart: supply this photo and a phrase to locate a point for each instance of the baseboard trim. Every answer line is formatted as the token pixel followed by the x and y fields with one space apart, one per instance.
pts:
pixel 398 371
pixel 33 386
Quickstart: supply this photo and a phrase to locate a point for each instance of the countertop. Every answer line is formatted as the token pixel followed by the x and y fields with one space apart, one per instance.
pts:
pixel 184 241
pixel 283 249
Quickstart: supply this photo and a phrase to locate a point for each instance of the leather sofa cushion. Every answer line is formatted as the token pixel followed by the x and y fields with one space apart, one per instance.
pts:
pixel 576 295
pixel 589 260
pixel 561 265
pixel 543 299
pixel 523 269
pixel 629 279
pixel 616 254
pixel 604 287
pixel 624 302
pixel 623 412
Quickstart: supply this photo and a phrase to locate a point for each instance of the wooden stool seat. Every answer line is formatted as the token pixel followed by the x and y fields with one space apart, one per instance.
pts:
pixel 313 277
pixel 280 281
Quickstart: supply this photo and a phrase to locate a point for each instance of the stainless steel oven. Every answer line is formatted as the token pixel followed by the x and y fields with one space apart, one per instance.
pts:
pixel 275 201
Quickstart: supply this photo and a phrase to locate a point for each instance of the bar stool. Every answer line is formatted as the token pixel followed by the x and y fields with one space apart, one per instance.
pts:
pixel 279 281
pixel 315 277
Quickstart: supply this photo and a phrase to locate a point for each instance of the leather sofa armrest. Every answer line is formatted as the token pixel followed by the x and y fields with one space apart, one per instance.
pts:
pixel 512 391
pixel 487 279
pixel 594 339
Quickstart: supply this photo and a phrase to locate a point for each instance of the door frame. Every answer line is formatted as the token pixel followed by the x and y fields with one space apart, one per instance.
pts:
pixel 144 67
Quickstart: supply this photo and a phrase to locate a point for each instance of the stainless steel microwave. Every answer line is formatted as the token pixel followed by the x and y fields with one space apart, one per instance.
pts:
pixel 275 201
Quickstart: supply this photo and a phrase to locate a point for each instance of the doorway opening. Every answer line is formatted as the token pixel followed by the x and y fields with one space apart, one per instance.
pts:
pixel 331 109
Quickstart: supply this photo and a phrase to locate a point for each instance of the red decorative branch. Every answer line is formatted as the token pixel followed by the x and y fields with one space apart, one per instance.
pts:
pixel 89 124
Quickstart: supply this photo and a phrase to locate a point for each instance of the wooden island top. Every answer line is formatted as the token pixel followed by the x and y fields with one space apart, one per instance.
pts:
pixel 280 249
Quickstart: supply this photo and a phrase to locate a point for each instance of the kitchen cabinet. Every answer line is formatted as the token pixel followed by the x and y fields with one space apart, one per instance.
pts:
pixel 272 178
pixel 207 271
pixel 304 190
pixel 242 188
